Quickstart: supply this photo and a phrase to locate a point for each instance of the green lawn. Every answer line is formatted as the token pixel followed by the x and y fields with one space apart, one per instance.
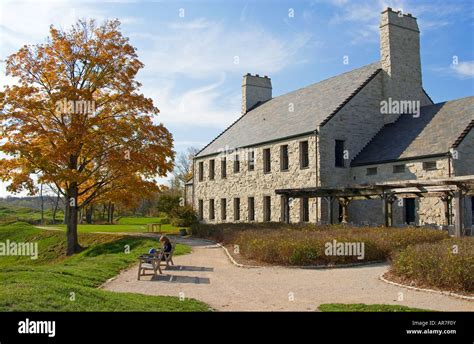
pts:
pixel 361 307
pixel 138 220
pixel 47 284
pixel 125 224
pixel 10 213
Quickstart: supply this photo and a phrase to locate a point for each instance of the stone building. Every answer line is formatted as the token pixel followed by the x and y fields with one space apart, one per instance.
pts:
pixel 366 146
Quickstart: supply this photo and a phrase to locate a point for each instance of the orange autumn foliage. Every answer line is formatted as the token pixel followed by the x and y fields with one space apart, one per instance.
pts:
pixel 78 120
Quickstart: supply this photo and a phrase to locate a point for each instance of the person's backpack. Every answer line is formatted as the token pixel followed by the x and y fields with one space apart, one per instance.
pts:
pixel 151 251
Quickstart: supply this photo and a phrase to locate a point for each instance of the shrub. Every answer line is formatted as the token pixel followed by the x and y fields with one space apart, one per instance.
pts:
pixel 183 216
pixel 438 264
pixel 165 221
pixel 284 244
pixel 166 203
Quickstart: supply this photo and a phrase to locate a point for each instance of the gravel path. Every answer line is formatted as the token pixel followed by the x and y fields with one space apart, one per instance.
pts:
pixel 208 275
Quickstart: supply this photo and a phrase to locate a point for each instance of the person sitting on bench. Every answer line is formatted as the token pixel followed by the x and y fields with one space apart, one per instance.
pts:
pixel 167 247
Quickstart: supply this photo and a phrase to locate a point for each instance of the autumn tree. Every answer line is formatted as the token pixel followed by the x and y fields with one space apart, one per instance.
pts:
pixel 77 119
pixel 183 167
pixel 128 194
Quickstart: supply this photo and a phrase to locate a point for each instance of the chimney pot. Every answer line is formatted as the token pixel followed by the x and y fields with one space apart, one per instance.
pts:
pixel 255 89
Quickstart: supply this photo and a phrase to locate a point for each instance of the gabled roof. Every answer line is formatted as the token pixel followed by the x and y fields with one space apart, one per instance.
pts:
pixel 439 128
pixel 313 105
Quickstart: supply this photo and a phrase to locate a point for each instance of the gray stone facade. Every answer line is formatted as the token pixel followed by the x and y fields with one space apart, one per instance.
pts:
pixel 349 127
pixel 256 183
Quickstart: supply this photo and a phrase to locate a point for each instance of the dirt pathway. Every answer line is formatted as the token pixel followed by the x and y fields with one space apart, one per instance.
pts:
pixel 208 275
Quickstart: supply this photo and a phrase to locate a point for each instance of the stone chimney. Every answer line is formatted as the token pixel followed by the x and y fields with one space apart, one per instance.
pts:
pixel 255 89
pixel 400 58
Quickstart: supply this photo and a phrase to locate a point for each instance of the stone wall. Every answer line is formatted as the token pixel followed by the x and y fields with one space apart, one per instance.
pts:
pixel 188 193
pixel 256 183
pixel 356 124
pixel 463 156
pixel 428 210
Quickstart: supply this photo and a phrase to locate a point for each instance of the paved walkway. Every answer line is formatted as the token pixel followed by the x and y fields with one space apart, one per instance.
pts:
pixel 208 275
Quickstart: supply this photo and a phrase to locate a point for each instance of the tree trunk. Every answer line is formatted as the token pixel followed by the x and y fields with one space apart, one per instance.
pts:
pixel 55 208
pixel 42 204
pixel 71 211
pixel 89 213
pixel 104 209
pixel 112 213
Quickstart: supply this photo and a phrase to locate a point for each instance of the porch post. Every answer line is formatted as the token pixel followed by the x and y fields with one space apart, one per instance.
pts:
pixel 458 219
pixel 344 202
pixel 446 199
pixel 329 199
pixel 388 209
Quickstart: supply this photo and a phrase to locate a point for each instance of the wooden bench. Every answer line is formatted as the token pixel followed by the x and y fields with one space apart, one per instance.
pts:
pixel 150 261
pixel 153 227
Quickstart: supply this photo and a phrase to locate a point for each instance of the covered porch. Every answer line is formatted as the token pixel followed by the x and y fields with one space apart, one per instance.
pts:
pixel 446 189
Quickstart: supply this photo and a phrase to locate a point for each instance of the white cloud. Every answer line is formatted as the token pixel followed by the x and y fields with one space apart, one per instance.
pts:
pixel 364 13
pixel 204 106
pixel 196 24
pixel 464 70
pixel 207 52
pixel 211 47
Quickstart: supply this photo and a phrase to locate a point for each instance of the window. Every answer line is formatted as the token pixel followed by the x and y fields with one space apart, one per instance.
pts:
pixel 201 171
pixel 284 158
pixel 304 154
pixel 398 168
pixel 267 167
pixel 237 209
pixel 267 212
pixel 251 157
pixel 304 209
pixel 223 209
pixel 200 209
pixel 211 210
pixel 339 153
pixel 429 165
pixel 223 168
pixel 251 207
pixel 236 164
pixel 212 165
pixel 371 171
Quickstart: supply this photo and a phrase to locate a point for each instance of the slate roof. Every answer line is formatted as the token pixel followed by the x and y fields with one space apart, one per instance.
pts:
pixel 440 127
pixel 313 106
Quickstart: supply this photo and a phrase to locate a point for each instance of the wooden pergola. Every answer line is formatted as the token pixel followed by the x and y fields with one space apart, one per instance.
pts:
pixel 445 188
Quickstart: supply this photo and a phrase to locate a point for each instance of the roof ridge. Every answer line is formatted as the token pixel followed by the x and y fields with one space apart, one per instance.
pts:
pixel 352 95
pixel 331 77
pixel 447 101
pixel 319 82
pixel 463 134
pixel 371 140
pixel 222 133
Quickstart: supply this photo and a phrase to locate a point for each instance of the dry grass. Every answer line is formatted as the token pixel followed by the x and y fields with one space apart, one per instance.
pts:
pixel 448 264
pixel 284 244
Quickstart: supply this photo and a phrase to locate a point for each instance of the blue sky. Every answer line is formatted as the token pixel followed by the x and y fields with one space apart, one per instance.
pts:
pixel 195 52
